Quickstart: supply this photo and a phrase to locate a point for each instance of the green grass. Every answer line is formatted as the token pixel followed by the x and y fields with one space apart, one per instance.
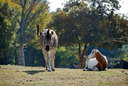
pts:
pixel 37 76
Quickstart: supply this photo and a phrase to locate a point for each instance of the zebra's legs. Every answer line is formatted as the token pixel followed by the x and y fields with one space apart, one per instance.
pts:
pixel 49 60
pixel 53 60
pixel 45 58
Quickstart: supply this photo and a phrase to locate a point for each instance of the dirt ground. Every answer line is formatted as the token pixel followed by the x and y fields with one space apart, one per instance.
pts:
pixel 11 75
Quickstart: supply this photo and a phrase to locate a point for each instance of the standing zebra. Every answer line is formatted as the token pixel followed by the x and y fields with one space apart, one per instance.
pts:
pixel 48 43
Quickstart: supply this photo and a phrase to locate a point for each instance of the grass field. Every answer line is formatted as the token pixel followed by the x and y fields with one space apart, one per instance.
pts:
pixel 37 76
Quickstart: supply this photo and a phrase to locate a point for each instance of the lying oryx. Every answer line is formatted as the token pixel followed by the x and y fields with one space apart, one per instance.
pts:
pixel 96 61
pixel 48 43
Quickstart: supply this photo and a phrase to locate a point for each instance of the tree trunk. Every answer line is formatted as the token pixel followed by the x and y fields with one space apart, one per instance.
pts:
pixel 81 56
pixel 5 57
pixel 21 59
pixel 16 57
pixel 81 62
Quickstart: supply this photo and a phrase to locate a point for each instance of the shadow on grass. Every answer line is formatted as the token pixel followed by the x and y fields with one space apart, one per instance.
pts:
pixel 32 72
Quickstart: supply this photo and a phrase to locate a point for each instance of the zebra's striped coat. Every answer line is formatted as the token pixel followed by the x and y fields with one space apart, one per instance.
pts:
pixel 48 43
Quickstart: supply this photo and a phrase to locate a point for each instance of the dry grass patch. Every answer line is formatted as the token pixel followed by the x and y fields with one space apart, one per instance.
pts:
pixel 37 76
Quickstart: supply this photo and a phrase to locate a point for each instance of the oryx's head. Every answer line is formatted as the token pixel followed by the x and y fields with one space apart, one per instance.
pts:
pixel 47 37
pixel 92 54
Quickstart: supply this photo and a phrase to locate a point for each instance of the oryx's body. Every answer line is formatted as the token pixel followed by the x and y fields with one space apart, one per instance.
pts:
pixel 48 43
pixel 96 61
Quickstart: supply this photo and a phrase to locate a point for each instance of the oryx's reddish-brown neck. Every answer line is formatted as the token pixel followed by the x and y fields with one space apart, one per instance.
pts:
pixel 100 58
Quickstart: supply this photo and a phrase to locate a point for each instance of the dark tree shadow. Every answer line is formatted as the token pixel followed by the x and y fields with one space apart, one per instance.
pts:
pixel 32 72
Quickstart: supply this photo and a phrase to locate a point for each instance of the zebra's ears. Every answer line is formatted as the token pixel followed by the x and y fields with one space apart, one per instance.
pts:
pixel 52 33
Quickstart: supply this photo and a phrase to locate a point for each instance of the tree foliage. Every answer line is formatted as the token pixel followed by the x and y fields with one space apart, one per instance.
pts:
pixel 66 57
pixel 7 36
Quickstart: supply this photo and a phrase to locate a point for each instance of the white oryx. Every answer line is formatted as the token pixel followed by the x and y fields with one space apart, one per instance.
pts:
pixel 48 43
pixel 96 61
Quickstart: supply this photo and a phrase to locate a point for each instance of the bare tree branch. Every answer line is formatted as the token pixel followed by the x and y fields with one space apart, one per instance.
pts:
pixel 15 16
pixel 29 10
pixel 110 40
pixel 33 16
pixel 21 2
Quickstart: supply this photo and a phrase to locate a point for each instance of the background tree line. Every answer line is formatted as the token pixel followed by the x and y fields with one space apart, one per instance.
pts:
pixel 81 26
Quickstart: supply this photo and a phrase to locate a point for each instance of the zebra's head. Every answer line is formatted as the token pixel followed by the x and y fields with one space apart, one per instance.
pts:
pixel 48 38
